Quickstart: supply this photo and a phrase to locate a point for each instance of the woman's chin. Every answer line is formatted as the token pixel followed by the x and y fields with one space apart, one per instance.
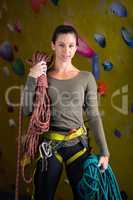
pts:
pixel 68 59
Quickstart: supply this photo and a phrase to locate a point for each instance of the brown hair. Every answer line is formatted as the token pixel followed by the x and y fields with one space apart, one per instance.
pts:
pixel 62 29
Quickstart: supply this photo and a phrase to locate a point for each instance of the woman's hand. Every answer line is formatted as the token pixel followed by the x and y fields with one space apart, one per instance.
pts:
pixel 38 64
pixel 38 69
pixel 103 163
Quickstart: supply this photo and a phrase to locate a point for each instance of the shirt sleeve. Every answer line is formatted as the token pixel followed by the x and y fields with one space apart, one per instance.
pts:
pixel 92 111
pixel 28 96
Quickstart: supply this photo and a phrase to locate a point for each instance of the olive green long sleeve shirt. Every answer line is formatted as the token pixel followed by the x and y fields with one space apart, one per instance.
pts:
pixel 69 98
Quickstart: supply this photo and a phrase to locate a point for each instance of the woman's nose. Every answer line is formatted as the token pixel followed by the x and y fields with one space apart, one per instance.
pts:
pixel 66 49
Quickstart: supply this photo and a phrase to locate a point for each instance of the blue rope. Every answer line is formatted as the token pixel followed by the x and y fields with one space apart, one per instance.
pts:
pixel 96 184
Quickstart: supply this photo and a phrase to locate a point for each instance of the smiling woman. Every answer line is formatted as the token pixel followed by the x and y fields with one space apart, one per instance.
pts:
pixel 71 91
pixel 65 47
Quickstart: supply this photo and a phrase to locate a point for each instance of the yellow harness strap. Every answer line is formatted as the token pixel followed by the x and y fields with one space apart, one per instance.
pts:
pixel 53 135
pixel 75 156
pixel 72 158
pixel 59 157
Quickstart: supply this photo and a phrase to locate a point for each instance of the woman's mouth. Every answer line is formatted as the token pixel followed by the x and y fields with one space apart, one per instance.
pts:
pixel 65 56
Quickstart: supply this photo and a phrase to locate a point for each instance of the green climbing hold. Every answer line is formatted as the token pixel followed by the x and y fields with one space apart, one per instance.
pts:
pixel 18 67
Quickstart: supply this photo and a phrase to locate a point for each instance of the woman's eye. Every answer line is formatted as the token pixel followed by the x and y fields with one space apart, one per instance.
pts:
pixel 61 45
pixel 71 46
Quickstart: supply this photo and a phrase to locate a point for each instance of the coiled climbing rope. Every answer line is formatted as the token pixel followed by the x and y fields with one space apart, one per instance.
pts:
pixel 39 121
pixel 97 184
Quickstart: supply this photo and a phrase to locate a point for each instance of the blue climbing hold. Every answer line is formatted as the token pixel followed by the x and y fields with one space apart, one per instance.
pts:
pixel 127 37
pixel 107 65
pixel 100 39
pixel 6 51
pixel 117 133
pixel 95 66
pixel 118 9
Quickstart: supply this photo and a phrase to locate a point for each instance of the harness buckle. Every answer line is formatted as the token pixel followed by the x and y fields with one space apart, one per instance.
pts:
pixel 45 150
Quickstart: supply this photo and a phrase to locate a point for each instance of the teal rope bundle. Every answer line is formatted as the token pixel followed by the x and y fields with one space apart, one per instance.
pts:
pixel 94 183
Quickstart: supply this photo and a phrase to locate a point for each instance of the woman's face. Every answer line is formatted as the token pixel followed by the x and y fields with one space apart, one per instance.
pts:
pixel 65 47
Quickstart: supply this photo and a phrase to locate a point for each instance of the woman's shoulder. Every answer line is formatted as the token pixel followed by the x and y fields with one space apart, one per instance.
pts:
pixel 87 77
pixel 86 74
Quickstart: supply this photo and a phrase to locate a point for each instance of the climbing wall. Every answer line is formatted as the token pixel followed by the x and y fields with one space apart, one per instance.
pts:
pixel 106 48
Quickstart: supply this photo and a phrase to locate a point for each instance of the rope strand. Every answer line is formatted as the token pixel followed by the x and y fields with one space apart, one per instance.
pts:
pixel 19 150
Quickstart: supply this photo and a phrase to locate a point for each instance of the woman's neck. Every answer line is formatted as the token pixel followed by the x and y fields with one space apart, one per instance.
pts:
pixel 63 66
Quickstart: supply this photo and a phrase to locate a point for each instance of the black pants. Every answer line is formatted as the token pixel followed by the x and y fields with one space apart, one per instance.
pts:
pixel 46 182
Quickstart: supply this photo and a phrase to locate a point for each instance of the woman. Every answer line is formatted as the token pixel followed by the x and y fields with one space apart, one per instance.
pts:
pixel 71 91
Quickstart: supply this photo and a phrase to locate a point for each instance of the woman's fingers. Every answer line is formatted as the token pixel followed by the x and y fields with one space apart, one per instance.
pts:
pixel 42 56
pixel 29 62
pixel 38 69
pixel 48 59
pixel 34 57
pixel 103 163
pixel 37 57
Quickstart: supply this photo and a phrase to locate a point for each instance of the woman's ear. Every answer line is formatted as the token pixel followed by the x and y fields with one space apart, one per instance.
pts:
pixel 52 46
pixel 76 47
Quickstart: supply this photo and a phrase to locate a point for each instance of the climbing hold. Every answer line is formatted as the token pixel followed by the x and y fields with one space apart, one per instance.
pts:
pixel 12 123
pixel 127 37
pixel 18 67
pixel 118 9
pixel 84 49
pixel 6 51
pixel 117 133
pixel 10 27
pixel 100 39
pixel 18 26
pixel 6 71
pixel 36 4
pixel 95 66
pixel 102 88
pixel 55 2
pixel 132 108
pixel 107 65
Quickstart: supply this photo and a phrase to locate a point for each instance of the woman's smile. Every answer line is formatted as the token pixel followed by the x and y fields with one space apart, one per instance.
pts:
pixel 66 56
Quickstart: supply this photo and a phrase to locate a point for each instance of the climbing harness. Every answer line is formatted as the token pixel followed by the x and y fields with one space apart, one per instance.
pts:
pixel 55 140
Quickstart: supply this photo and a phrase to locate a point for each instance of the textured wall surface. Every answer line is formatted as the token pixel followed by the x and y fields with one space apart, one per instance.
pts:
pixel 88 17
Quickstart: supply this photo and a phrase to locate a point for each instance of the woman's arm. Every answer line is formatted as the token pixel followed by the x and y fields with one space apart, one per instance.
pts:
pixel 95 122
